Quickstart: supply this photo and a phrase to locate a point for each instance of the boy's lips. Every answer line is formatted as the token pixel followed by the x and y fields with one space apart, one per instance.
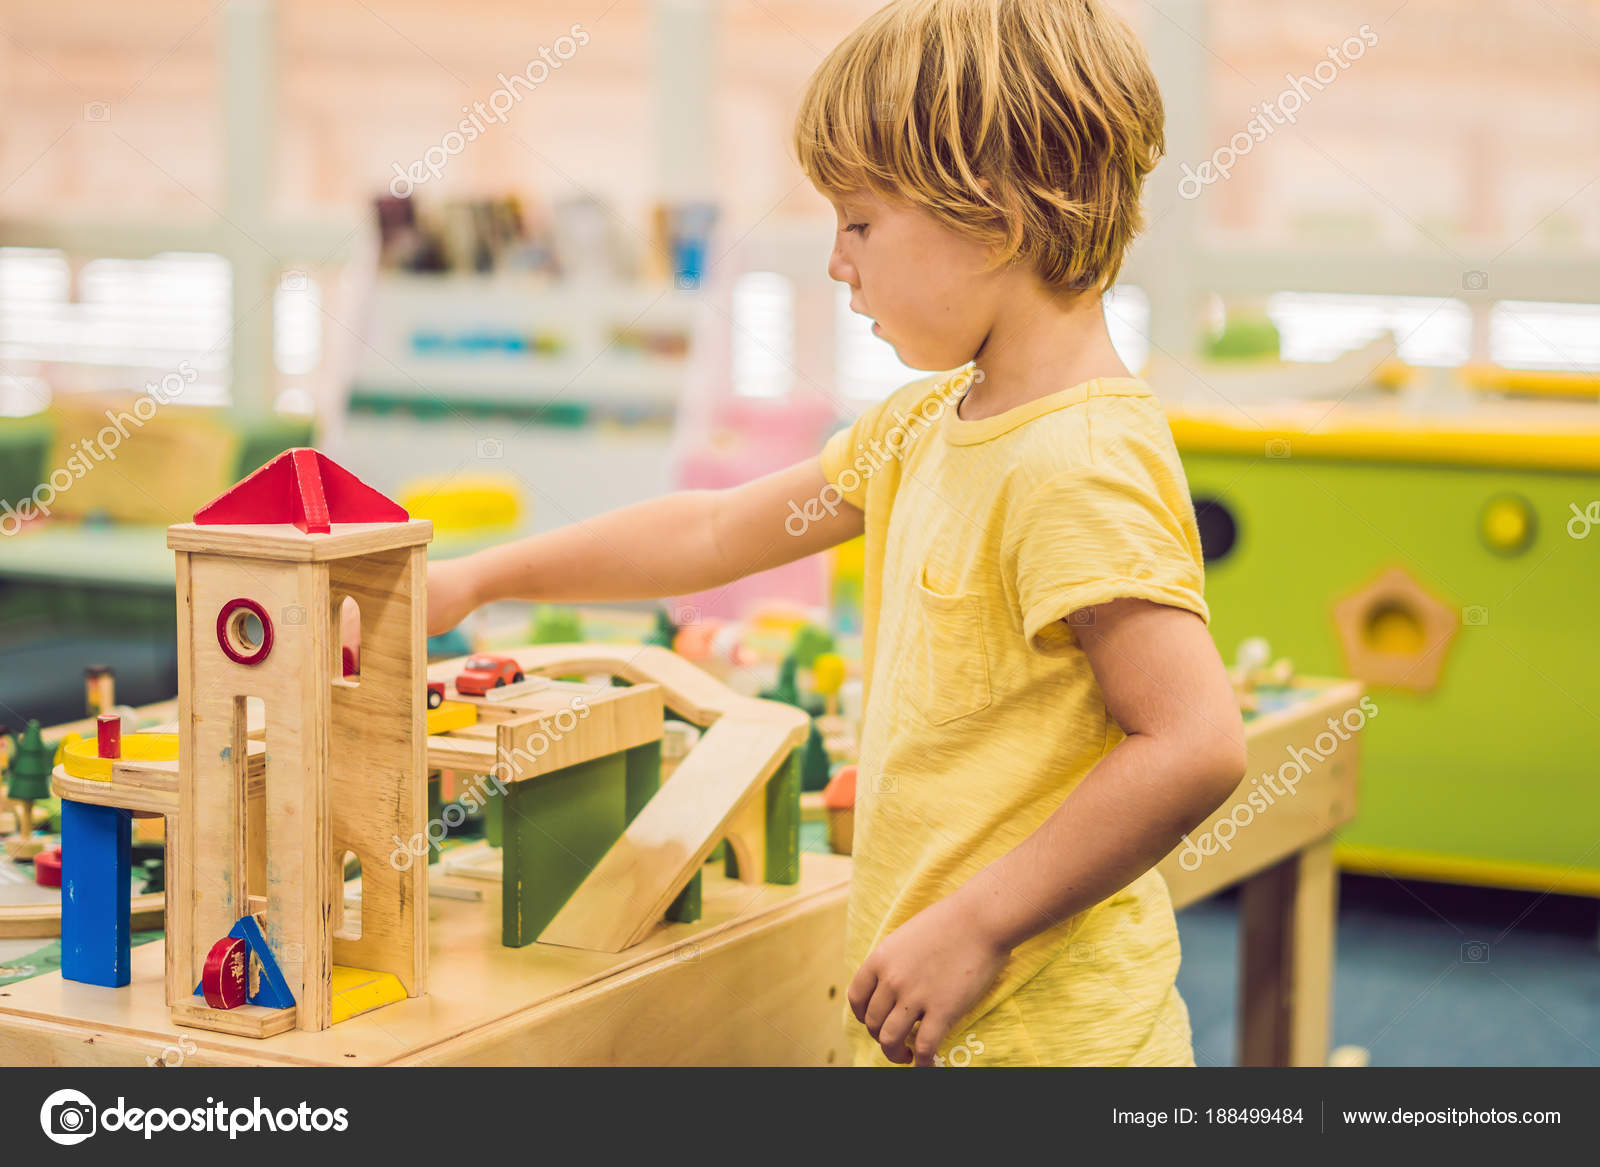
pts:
pixel 877 329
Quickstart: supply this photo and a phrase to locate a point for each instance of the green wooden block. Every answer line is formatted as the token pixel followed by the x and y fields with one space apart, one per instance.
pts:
pixel 644 775
pixel 554 829
pixel 782 828
pixel 783 822
pixel 494 807
pixel 686 908
pixel 435 809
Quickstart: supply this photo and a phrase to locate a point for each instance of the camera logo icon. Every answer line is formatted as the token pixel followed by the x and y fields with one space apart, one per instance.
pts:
pixel 1475 281
pixel 294 614
pixel 294 281
pixel 67 1117
pixel 1475 952
pixel 1475 615
pixel 96 111
pixel 490 449
pixel 1278 448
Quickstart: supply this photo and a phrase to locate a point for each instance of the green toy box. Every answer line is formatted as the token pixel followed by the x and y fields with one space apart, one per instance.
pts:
pixel 1449 565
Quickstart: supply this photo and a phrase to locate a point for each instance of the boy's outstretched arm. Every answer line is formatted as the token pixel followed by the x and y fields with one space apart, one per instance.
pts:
pixel 1184 753
pixel 668 546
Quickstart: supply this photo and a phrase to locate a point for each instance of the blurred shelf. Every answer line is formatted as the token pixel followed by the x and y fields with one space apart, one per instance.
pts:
pixel 123 555
pixel 484 339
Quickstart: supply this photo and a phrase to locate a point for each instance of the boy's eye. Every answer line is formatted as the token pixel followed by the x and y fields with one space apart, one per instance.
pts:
pixel 861 227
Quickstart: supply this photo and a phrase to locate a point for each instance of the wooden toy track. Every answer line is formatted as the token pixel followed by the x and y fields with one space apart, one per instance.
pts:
pixel 745 742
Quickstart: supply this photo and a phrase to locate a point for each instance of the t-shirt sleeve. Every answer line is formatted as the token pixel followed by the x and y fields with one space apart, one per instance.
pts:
pixel 1111 530
pixel 851 457
pixel 841 450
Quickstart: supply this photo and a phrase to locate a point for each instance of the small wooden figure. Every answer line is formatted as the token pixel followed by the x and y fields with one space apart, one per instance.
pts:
pixel 29 780
pixel 99 689
pixel 827 674
pixel 840 801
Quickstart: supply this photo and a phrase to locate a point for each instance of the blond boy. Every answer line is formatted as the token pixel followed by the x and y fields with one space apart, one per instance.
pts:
pixel 1046 714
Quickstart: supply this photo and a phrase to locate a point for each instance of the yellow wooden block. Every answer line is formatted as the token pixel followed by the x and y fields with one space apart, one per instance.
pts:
pixel 81 758
pixel 360 990
pixel 451 715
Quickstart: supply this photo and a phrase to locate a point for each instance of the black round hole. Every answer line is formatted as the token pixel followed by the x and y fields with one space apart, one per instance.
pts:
pixel 1219 531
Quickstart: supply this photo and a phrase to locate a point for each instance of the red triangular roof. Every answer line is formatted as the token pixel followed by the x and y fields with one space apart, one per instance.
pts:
pixel 304 487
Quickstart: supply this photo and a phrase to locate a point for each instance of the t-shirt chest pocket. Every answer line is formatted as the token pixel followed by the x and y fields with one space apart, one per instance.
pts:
pixel 945 663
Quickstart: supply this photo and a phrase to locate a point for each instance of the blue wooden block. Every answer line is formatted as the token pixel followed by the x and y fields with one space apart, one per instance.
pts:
pixel 96 889
pixel 272 990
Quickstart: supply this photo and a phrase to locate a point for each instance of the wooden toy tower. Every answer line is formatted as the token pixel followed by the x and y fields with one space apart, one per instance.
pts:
pixel 262 574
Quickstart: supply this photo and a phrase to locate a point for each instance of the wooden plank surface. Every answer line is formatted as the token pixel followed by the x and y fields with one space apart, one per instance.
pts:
pixel 285 543
pixel 493 1005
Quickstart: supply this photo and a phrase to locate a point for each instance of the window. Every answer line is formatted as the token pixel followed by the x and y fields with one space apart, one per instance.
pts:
pixel 1322 326
pixel 763 335
pixel 125 322
pixel 115 324
pixel 1525 334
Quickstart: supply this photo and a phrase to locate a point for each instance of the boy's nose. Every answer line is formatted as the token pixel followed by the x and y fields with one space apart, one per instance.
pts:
pixel 840 269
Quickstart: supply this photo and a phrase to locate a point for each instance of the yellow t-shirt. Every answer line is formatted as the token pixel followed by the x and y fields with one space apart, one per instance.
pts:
pixel 982 712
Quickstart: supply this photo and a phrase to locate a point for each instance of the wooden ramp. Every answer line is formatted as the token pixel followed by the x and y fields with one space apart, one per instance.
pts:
pixel 746 740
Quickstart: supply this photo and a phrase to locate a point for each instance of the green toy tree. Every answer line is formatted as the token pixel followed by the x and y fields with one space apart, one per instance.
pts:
pixel 666 632
pixel 810 642
pixel 814 762
pixel 555 625
pixel 786 689
pixel 28 781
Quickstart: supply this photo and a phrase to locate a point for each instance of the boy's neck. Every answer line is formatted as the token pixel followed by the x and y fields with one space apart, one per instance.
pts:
pixel 1040 344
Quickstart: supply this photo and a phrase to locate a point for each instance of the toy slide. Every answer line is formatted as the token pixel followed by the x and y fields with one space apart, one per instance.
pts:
pixel 746 741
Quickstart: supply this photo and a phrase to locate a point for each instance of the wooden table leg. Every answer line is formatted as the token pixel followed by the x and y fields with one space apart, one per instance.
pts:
pixel 1286 943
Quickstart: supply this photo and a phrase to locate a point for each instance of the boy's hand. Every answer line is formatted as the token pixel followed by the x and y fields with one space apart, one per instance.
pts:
pixel 931 969
pixel 452 593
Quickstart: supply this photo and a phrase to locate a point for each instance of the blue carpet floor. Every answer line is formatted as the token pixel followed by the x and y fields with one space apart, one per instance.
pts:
pixel 1428 975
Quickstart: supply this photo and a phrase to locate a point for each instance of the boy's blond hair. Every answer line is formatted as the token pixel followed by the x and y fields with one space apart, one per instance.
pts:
pixel 1026 124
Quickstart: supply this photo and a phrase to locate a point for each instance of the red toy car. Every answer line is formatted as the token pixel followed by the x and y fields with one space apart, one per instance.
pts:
pixel 435 694
pixel 487 672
